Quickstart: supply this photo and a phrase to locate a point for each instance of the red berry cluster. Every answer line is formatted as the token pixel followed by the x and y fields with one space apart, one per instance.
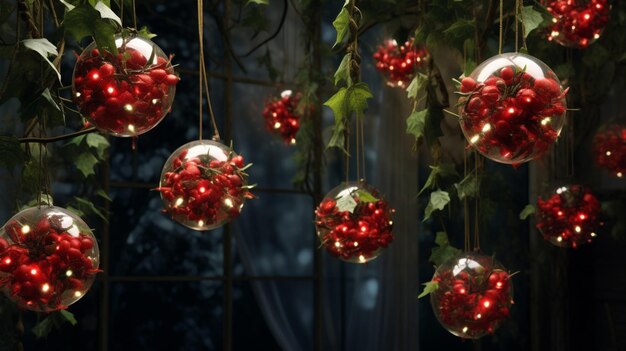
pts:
pixel 282 116
pixel 473 296
pixel 202 192
pixel 578 23
pixel 124 94
pixel 511 116
pixel 610 149
pixel 358 235
pixel 398 63
pixel 43 265
pixel 570 216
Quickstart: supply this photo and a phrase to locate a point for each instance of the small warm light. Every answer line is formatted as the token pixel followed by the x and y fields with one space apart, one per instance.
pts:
pixel 582 216
pixel 408 61
pixel 479 316
pixel 463 291
pixel 293 141
pixel 555 34
pixel 577 229
pixel 274 114
pixel 78 293
pixel 128 107
pixel 277 125
pixel 33 271
pixel 486 128
pixel 498 285
pixel 546 121
pixel 554 20
pixel 400 83
pixel 487 304
pixel 155 101
pixel 608 153
pixel 337 244
pixel 465 329
pixel 228 202
pixel 45 287
pixel 474 139
pixel 391 68
pixel 25 229
pixel 363 228
pixel 68 273
pixel 131 128
pixel 110 90
pixel 511 110
pixel 419 59
pixel 587 16
pixel 390 222
pixel 202 190
pixel 96 75
pixel 593 235
pixel 559 238
pixel 361 258
pixel 78 94
pixel 201 223
pixel 356 244
pixel 7 260
pixel 619 174
pixel 560 213
pixel 178 202
pixel 596 36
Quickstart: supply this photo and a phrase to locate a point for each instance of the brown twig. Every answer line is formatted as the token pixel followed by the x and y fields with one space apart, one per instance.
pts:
pixel 58 138
pixel 27 17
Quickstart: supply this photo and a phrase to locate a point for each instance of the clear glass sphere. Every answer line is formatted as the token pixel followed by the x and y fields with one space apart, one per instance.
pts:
pixel 48 258
pixel 282 116
pixel 353 222
pixel 204 185
pixel 512 108
pixel 124 94
pixel 399 63
pixel 577 24
pixel 569 216
pixel 473 296
pixel 609 148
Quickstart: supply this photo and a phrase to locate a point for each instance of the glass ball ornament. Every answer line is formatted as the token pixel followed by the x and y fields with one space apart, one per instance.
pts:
pixel 578 23
pixel 399 63
pixel 512 108
pixel 353 222
pixel 282 116
pixel 204 185
pixel 569 216
pixel 609 148
pixel 128 93
pixel 474 295
pixel 48 258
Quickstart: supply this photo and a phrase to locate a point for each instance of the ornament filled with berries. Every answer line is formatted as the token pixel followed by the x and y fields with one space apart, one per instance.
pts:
pixel 48 258
pixel 282 115
pixel 609 148
pixel 127 91
pixel 471 295
pixel 204 185
pixel 512 108
pixel 354 223
pixel 400 63
pixel 578 23
pixel 569 216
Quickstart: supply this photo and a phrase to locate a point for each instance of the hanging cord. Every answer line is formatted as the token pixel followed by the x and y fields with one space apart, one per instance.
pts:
pixel 355 77
pixel 477 169
pixel 517 25
pixel 122 12
pixel 501 27
pixel 363 148
pixel 521 15
pixel 466 223
pixel 203 80
pixel 134 15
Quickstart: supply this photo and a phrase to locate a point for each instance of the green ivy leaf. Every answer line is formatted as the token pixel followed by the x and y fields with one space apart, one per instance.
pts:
pixel 415 124
pixel 527 211
pixel 429 288
pixel 84 20
pixel 444 170
pixel 343 72
pixel 106 13
pixel 87 207
pixel 99 143
pixel 443 251
pixel 68 316
pixel 44 48
pixel 258 2
pixel 43 328
pixel 11 152
pixel 438 201
pixel 337 103
pixel 358 94
pixel 418 85
pixel 85 163
pixel 53 320
pixel 346 203
pixel 103 195
pixel 468 187
pixel 144 32
pixel 365 196
pixel 531 19
pixel 342 25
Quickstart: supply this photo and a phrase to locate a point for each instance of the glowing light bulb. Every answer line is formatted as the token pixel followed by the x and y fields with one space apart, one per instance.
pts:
pixel 559 238
pixel 25 229
pixel 201 223
pixel 587 16
pixel 45 287
pixel 78 293
pixel 7 260
pixel 277 125
pixel 228 202
pixel 487 304
pixel 486 128
pixel 337 244
pixel 560 213
pixel 511 110
pixel 178 202
pixel 419 59
pixel 361 258
pixel 110 90
pixel 202 190
pixel 619 174
pixel 78 94
pixel 474 139
pixel 128 107
pixel 479 316
pixel 596 36
pixel 391 68
pixel 582 216
pixel 95 76
pixel 33 271
pixel 465 329
pixel 68 273
pixel 577 229
pixel 593 235
pixel 293 141
pixel 554 20
pixel 390 222
pixel 356 244
pixel 363 228
pixel 131 128
pixel 155 101
pixel 546 121
pixel 498 285
pixel 608 153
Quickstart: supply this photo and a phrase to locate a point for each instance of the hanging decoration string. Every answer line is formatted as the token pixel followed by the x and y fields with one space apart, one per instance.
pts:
pixel 466 223
pixel 203 80
pixel 122 12
pixel 477 170
pixel 516 25
pixel 134 15
pixel 501 27
pixel 355 76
